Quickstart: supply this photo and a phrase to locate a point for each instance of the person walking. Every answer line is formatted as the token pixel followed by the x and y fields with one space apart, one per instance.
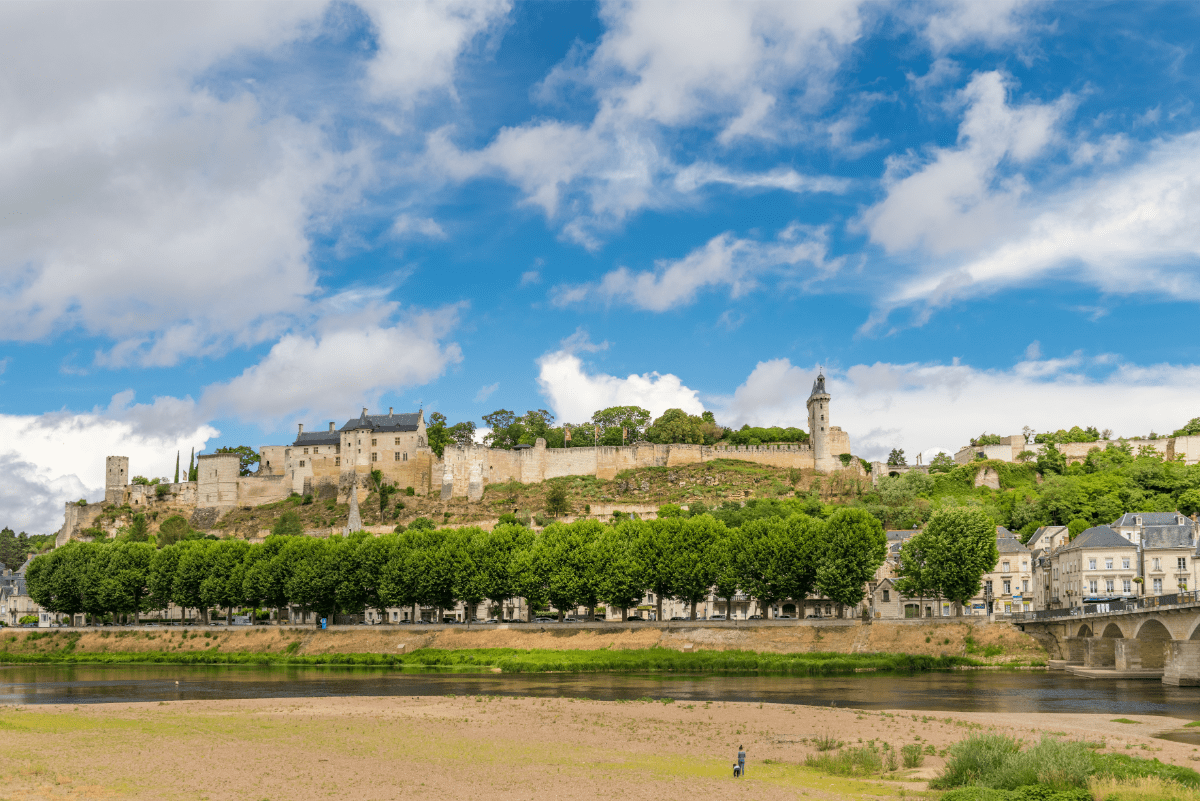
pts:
pixel 741 761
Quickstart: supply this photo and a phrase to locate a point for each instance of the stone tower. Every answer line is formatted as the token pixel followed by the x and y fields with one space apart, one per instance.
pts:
pixel 116 478
pixel 818 424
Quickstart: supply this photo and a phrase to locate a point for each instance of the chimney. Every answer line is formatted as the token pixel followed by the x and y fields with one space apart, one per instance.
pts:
pixel 302 428
pixel 364 411
pixel 331 426
pixel 389 411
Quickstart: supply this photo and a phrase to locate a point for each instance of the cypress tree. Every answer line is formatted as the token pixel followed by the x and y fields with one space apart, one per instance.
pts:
pixel 176 467
pixel 191 468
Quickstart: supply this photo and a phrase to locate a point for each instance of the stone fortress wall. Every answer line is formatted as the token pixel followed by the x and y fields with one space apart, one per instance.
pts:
pixel 333 463
pixel 1169 447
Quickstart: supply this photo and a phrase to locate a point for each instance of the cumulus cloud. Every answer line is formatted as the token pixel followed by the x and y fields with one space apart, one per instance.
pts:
pixel 341 364
pixel 967 215
pixel 738 70
pixel 932 407
pixel 142 207
pixel 725 261
pixel 50 459
pixel 419 42
pixel 959 198
pixel 960 23
pixel 574 394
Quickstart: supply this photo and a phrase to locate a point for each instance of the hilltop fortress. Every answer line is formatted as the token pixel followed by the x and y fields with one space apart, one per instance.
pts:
pixel 333 462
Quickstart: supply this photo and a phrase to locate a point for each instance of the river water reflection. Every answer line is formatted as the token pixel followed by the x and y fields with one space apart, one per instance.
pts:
pixel 970 691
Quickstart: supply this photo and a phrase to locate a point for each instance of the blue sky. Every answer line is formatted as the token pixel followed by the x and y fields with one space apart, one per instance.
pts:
pixel 219 221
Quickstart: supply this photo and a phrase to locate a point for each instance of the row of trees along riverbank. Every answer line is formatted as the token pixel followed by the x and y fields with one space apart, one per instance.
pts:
pixel 585 563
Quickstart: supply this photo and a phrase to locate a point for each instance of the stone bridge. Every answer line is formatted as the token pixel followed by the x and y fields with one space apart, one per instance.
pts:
pixel 1140 638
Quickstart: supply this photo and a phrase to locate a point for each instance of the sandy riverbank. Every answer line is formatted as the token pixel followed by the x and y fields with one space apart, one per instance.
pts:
pixel 476 747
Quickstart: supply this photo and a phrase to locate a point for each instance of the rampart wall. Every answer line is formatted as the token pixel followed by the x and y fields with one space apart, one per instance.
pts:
pixel 1170 447
pixel 465 470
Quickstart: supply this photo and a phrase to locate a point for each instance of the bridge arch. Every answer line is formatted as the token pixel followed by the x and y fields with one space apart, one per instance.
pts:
pixel 1195 632
pixel 1085 631
pixel 1154 637
pixel 1113 632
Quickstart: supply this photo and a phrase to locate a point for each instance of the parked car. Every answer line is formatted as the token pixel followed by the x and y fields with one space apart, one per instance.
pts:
pixel 543 620
pixel 786 617
pixel 679 617
pixel 716 617
pixel 491 620
pixel 755 617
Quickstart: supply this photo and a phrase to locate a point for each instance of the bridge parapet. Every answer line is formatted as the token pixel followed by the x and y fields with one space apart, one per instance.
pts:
pixel 1150 602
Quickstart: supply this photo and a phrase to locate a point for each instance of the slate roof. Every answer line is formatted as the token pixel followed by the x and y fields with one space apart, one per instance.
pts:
pixel 1010 545
pixel 407 421
pixel 1167 537
pixel 1035 541
pixel 1098 537
pixel 1148 519
pixel 318 438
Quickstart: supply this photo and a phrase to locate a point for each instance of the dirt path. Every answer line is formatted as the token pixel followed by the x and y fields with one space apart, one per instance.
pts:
pixel 475 747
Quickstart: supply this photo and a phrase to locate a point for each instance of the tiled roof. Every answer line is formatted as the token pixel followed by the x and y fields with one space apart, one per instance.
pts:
pixel 1098 537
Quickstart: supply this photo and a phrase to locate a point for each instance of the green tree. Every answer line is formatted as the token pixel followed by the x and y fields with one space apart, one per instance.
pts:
pixel 495 556
pixel 287 525
pixel 677 426
pixel 896 458
pixel 267 574
pixel 160 580
pixel 125 585
pixel 1051 460
pixel 1076 527
pixel 652 550
pixel 383 490
pixel 176 467
pixel 690 555
pixel 855 546
pixel 556 499
pixel 222 587
pixel 621 574
pixel 505 431
pixel 963 549
pixel 914 572
pixel 611 421
pixel 1191 429
pixel 172 530
pixel 191 473
pixel 247 457
pixel 139 530
pixel 54 580
pixel 312 582
pixel 756 563
pixel 1189 502
pixel 190 572
pixel 941 464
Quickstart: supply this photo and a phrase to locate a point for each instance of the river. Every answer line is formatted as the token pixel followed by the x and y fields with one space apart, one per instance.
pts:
pixel 974 691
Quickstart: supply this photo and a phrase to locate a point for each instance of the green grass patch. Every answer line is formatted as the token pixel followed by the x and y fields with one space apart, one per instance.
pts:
pixel 1127 720
pixel 512 660
pixel 996 762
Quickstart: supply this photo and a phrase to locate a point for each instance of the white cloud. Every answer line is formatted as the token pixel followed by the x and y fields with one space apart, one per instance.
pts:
pixel 50 459
pixel 575 395
pixel 486 392
pixel 1135 229
pixel 419 43
pixel 737 69
pixel 530 277
pixel 931 407
pixel 960 23
pixel 724 261
pixel 139 206
pixel 345 362
pixel 959 198
pixel 407 225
